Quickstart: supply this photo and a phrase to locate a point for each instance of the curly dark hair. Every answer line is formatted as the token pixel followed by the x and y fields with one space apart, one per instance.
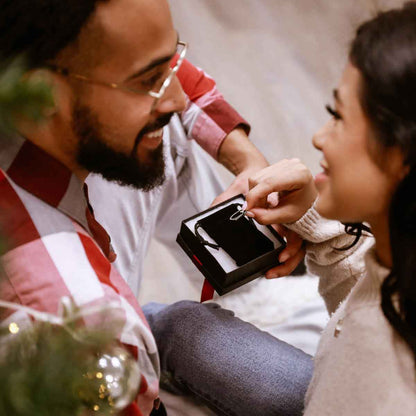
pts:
pixel 384 51
pixel 40 29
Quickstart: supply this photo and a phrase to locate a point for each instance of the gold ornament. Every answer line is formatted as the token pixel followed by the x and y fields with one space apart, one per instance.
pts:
pixel 112 381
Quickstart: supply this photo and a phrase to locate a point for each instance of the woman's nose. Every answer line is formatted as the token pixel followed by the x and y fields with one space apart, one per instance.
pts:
pixel 318 138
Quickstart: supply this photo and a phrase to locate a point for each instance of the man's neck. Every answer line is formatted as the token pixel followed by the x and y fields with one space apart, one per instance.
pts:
pixel 60 146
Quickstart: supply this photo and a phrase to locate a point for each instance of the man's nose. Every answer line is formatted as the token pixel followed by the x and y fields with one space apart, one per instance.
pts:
pixel 173 100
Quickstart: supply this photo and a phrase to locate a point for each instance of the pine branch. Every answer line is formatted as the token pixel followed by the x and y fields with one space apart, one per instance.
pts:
pixel 43 372
pixel 21 97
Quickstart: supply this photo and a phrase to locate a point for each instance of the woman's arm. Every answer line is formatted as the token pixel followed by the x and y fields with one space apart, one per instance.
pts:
pixel 338 269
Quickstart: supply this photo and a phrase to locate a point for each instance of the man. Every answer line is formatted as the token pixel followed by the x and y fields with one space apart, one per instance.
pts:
pixel 109 65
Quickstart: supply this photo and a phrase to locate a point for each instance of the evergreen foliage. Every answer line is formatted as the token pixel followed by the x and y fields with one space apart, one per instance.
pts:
pixel 21 96
pixel 43 372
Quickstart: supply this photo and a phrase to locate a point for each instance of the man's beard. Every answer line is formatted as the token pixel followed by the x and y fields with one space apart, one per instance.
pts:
pixel 97 157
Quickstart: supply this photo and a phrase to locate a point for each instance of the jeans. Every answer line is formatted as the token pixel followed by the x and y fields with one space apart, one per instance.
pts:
pixel 228 364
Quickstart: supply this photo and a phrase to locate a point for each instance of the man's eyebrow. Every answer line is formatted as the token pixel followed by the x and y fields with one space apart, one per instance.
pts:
pixel 154 63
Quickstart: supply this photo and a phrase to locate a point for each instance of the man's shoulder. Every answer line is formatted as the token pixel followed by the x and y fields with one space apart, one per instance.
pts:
pixel 24 218
pixel 46 254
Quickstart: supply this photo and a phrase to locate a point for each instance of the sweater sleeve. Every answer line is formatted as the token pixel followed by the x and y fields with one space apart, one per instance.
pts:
pixel 337 269
pixel 207 118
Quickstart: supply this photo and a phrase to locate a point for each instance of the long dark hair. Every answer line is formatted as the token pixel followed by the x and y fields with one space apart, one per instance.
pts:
pixel 384 51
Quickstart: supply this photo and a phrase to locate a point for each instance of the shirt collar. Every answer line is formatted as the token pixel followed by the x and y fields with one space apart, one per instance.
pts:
pixel 40 174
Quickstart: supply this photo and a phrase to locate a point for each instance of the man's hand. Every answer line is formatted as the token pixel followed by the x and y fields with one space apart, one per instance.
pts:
pixel 241 158
pixel 281 193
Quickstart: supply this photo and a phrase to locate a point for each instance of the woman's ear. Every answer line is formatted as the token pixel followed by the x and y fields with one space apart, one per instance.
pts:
pixel 396 164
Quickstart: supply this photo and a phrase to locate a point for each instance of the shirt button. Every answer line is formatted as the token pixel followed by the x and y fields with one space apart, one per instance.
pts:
pixel 112 256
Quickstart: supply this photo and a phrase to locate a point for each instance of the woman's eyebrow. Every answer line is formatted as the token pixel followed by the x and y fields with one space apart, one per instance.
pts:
pixel 337 98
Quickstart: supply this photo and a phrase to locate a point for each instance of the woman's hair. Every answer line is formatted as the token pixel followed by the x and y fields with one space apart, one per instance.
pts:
pixel 40 29
pixel 384 51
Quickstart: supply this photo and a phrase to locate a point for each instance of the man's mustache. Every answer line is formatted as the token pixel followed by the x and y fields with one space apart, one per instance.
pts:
pixel 158 124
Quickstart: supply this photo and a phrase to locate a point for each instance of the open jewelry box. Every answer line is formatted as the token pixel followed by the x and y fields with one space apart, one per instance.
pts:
pixel 229 248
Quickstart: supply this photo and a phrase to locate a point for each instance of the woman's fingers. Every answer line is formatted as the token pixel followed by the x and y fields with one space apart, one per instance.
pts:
pixel 284 177
pixel 290 257
pixel 291 181
pixel 287 267
pixel 285 214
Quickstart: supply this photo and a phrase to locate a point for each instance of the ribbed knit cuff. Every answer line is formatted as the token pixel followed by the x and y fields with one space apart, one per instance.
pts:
pixel 316 229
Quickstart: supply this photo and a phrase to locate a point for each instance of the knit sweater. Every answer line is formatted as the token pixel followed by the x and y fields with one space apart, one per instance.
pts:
pixel 362 365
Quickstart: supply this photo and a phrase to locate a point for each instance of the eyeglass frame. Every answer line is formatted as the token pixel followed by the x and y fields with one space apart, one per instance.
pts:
pixel 156 95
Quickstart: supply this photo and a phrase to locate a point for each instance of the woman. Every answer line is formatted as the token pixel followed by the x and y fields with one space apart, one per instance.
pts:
pixel 365 362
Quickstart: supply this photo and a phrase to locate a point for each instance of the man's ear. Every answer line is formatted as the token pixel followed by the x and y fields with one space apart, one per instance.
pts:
pixel 61 91
pixel 55 111
pixel 43 80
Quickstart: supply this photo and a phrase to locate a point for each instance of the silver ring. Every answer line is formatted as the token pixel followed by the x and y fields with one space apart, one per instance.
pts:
pixel 237 215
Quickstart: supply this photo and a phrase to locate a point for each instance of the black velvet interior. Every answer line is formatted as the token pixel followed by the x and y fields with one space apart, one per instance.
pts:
pixel 240 239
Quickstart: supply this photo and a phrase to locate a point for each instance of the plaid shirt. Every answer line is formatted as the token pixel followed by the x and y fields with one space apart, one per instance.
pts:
pixel 56 248
pixel 208 118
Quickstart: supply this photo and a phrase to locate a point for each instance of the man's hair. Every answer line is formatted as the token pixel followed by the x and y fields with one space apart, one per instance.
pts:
pixel 40 29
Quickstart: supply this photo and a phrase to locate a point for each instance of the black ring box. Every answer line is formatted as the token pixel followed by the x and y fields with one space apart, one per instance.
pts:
pixel 205 258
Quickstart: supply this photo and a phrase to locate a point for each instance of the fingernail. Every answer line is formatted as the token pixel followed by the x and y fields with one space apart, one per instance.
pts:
pixel 272 276
pixel 250 214
pixel 284 257
pixel 244 206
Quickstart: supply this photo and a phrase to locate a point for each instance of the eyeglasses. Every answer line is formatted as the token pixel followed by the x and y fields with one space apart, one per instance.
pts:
pixel 155 91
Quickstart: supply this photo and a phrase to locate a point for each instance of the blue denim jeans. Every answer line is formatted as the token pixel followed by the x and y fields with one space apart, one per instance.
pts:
pixel 228 364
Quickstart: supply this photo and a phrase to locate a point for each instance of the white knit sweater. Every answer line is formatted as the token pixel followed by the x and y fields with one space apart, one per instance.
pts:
pixel 362 366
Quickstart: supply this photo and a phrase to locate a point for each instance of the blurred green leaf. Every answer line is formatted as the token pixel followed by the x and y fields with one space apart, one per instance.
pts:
pixel 43 368
pixel 20 96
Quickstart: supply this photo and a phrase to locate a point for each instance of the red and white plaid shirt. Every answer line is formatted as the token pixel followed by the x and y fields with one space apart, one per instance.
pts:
pixel 56 248
pixel 208 117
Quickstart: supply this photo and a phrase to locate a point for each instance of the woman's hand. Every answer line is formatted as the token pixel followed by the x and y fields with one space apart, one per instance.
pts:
pixel 290 257
pixel 281 193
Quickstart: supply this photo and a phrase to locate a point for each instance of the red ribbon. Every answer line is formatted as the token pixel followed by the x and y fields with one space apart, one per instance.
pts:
pixel 207 291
